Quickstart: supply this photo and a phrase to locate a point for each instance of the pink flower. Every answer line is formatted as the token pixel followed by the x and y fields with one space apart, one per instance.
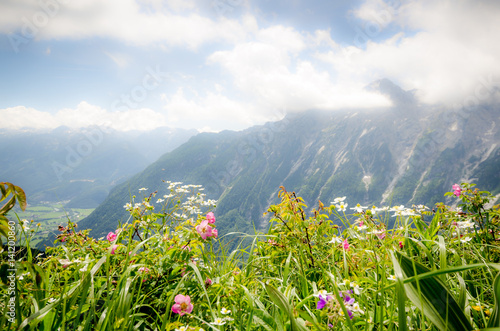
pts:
pixel 208 282
pixel 457 190
pixel 345 244
pixel 204 230
pixel 211 218
pixel 400 245
pixel 215 233
pixel 182 304
pixel 144 269
pixel 111 236
pixel 113 249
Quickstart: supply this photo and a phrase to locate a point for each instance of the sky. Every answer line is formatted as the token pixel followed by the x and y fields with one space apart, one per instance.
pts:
pixel 214 65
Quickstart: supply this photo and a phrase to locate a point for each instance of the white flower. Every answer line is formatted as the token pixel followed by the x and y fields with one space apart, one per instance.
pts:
pixel 356 288
pixel 467 239
pixel 322 293
pixel 225 311
pixel 376 232
pixel 52 300
pixel 160 200
pixel 128 205
pixel 182 328
pixel 355 308
pixel 465 224
pixel 337 200
pixel 391 277
pixel 142 189
pixel 335 240
pixel 341 206
pixel 218 321
pixel 358 208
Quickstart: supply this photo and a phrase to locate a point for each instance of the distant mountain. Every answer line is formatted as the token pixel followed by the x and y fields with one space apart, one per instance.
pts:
pixel 402 155
pixel 80 166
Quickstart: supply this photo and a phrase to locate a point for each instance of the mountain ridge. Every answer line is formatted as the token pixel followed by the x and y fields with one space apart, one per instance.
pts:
pixel 370 157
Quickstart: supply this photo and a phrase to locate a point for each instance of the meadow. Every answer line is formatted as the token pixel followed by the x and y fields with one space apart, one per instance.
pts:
pixel 45 218
pixel 333 266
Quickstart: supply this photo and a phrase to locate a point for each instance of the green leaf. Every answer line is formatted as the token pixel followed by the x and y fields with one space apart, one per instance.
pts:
pixel 281 301
pixel 431 295
pixel 495 316
pixel 400 293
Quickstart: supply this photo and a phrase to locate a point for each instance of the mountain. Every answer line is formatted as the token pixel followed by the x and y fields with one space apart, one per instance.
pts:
pixel 80 166
pixel 402 155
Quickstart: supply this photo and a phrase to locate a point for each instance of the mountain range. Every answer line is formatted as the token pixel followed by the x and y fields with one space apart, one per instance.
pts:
pixel 406 154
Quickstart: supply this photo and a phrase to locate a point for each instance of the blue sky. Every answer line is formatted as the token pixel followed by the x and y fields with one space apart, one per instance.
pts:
pixel 231 64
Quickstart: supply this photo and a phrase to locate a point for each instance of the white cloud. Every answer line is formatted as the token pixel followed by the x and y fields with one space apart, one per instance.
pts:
pixel 378 12
pixel 123 20
pixel 83 115
pixel 447 56
pixel 272 72
pixel 213 112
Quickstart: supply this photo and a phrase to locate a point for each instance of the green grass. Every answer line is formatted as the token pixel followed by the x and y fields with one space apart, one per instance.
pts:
pixel 316 268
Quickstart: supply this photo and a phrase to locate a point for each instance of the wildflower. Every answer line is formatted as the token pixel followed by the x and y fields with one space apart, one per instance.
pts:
pixel 391 277
pixel 345 245
pixel 208 282
pixel 355 308
pixel 400 245
pixel 183 328
pixel 218 321
pixel 160 200
pixel 348 300
pixel 465 224
pixel 210 218
pixel 465 240
pixel 52 300
pixel 356 288
pixel 322 302
pixel 348 312
pixel 341 206
pixel 182 304
pixel 361 226
pixel 144 269
pixel 215 233
pixel 204 230
pixel 358 208
pixel 337 200
pixel 142 189
pixel 335 240
pixel 322 293
pixel 457 190
pixel 113 249
pixel 225 311
pixel 111 236
pixel 128 206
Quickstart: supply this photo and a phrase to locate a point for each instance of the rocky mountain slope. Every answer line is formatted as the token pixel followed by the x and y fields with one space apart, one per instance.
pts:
pixel 403 155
